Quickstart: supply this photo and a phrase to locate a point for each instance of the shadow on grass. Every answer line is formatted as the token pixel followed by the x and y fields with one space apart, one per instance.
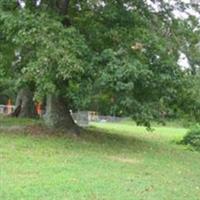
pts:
pixel 119 142
pixel 95 138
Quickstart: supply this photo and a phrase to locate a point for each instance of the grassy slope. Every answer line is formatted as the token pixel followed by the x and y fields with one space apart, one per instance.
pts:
pixel 124 162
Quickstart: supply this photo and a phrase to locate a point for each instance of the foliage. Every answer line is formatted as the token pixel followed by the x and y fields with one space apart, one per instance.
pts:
pixel 191 97
pixel 7 90
pixel 121 55
pixel 48 53
pixel 193 137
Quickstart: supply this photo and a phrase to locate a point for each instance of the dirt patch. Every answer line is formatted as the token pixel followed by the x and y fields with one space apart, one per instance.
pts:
pixel 12 128
pixel 37 130
pixel 30 129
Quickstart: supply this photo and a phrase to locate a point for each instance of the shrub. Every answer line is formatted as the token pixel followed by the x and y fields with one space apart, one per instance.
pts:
pixel 193 138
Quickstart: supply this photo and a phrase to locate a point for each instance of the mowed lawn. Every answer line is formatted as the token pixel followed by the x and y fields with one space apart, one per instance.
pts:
pixel 109 162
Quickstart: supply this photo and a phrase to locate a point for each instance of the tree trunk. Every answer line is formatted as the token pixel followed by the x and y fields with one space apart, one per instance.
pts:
pixel 58 116
pixel 24 104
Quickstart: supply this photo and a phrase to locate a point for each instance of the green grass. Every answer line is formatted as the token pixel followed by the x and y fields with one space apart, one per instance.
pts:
pixel 110 162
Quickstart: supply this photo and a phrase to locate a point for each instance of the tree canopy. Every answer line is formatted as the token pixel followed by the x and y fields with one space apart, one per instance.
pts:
pixel 118 56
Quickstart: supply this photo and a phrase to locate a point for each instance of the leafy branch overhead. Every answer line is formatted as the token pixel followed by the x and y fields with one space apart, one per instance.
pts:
pixel 123 51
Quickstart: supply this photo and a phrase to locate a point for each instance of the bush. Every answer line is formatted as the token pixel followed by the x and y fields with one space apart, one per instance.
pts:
pixel 193 138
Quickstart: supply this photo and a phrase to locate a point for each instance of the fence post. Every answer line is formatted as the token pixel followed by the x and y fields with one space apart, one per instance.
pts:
pixel 9 107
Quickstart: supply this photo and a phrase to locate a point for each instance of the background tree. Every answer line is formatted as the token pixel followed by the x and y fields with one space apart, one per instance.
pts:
pixel 120 51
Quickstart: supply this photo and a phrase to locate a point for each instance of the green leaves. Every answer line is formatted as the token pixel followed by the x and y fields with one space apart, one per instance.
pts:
pixel 48 51
pixel 119 54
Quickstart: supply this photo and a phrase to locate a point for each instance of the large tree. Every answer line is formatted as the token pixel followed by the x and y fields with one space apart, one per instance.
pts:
pixel 122 50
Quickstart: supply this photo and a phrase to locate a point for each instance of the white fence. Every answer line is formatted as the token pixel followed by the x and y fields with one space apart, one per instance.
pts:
pixel 6 109
pixel 82 118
